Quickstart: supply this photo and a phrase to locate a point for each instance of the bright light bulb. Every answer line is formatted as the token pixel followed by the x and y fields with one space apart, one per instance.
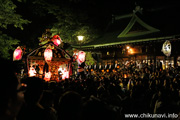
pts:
pixel 80 38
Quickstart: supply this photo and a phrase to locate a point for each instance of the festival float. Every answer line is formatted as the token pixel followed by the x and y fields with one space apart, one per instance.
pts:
pixel 49 61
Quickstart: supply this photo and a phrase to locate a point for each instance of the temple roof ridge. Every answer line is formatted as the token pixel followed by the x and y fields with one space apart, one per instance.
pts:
pixel 142 28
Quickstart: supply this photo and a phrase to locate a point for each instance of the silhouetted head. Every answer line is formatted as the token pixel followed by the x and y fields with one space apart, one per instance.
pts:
pixel 70 106
pixel 11 98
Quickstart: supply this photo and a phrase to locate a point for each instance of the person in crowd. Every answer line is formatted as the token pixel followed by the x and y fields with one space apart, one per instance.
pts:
pixel 11 93
pixel 80 71
pixel 32 109
pixel 95 109
pixel 100 67
pixel 95 66
pixel 47 102
pixel 106 66
pixel 106 94
pixel 70 106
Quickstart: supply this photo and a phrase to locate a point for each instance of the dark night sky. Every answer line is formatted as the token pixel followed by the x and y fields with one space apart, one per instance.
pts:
pixel 98 11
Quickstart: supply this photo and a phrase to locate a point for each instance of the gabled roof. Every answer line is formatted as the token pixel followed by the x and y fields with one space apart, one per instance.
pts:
pixel 59 54
pixel 131 28
pixel 137 27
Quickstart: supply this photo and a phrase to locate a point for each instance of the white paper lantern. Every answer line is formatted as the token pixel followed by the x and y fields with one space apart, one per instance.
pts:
pixel 166 48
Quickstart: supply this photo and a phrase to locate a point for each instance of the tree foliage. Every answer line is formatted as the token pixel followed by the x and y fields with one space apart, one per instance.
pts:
pixel 89 59
pixel 8 16
pixel 70 20
pixel 6 44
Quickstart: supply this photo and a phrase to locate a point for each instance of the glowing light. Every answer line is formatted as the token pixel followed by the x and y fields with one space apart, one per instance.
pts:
pixel 17 55
pixel 65 75
pixel 23 84
pixel 81 57
pixel 32 72
pixel 48 54
pixel 57 42
pixel 131 51
pixel 125 75
pixel 102 70
pixel 127 47
pixel 80 38
pixel 47 76
pixel 64 72
pixel 121 84
pixel 75 54
pixel 166 48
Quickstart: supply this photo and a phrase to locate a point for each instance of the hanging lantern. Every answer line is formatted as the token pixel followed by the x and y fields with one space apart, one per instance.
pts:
pixel 17 55
pixel 48 54
pixel 56 40
pixel 32 72
pixel 47 76
pixel 166 48
pixel 81 57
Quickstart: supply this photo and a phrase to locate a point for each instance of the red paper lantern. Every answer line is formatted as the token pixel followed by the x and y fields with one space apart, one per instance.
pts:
pixel 81 57
pixel 48 54
pixel 56 37
pixel 56 40
pixel 17 55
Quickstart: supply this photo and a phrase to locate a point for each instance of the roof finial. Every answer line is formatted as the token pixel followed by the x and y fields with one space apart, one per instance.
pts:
pixel 138 9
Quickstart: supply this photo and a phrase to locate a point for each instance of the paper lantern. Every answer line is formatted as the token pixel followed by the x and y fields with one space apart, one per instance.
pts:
pixel 47 76
pixel 17 55
pixel 56 40
pixel 166 48
pixel 81 57
pixel 32 72
pixel 48 54
pixel 56 37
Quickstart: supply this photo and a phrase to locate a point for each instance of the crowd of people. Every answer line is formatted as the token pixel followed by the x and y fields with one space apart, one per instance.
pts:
pixel 107 94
